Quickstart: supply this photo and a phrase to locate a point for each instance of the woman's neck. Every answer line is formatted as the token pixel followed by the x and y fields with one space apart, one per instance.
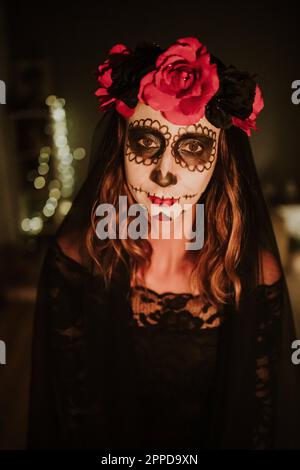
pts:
pixel 171 263
pixel 170 244
pixel 168 256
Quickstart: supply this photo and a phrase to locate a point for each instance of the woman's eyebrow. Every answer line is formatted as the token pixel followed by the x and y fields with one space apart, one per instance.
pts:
pixel 147 129
pixel 195 135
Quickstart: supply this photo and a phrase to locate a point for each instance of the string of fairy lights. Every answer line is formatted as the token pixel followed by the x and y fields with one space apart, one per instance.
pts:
pixel 61 186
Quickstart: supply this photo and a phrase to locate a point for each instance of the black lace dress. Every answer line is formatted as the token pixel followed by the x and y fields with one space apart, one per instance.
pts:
pixel 135 369
pixel 176 339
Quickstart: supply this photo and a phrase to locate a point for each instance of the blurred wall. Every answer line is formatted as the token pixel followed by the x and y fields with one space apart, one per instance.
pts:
pixel 8 171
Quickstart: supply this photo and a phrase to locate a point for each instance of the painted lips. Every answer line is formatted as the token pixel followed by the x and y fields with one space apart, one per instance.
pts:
pixel 166 201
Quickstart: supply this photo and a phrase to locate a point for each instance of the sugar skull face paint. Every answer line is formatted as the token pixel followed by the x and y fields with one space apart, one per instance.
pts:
pixel 166 164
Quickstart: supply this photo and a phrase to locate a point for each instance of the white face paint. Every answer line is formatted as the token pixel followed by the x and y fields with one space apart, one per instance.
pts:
pixel 168 166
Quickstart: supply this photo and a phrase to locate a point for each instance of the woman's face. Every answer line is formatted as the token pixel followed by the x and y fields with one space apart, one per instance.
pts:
pixel 167 164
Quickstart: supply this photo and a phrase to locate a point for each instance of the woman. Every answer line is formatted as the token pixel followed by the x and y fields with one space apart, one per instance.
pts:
pixel 147 342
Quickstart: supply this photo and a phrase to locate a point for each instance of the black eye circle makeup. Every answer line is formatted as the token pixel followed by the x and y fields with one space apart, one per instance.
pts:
pixel 193 147
pixel 146 141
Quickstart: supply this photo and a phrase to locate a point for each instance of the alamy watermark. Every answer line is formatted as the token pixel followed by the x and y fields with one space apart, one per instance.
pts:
pixel 296 94
pixel 296 354
pixel 2 353
pixel 167 222
pixel 2 92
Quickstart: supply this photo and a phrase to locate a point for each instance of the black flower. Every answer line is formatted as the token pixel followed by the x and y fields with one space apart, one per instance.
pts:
pixel 235 96
pixel 120 75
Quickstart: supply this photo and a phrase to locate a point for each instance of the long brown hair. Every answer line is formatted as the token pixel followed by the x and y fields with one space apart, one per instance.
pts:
pixel 215 271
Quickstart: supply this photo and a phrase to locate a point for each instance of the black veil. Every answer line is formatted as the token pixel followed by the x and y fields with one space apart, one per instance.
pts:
pixel 82 392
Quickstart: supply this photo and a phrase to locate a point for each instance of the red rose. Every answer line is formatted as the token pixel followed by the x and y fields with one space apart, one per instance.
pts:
pixel 182 83
pixel 249 123
pixel 105 81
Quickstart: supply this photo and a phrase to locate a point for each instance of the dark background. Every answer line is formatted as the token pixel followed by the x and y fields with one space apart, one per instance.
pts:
pixel 71 40
pixel 261 37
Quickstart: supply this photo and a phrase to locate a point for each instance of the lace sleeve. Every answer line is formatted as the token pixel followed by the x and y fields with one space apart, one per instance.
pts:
pixel 266 363
pixel 57 391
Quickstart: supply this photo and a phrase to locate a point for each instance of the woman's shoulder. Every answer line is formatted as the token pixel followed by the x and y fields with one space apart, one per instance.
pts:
pixel 270 271
pixel 65 258
pixel 70 248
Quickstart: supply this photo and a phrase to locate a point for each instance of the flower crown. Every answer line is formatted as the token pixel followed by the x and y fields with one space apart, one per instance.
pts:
pixel 184 82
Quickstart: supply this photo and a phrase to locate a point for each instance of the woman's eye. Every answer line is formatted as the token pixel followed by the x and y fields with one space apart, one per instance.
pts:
pixel 148 143
pixel 191 146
